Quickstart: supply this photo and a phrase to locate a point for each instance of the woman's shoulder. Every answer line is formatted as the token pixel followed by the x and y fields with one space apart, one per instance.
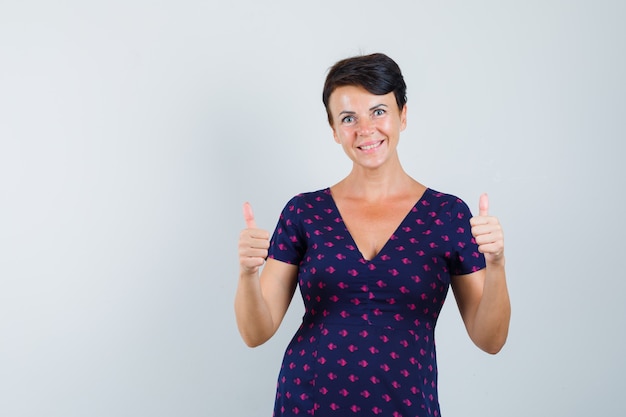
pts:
pixel 312 196
pixel 308 200
pixel 451 201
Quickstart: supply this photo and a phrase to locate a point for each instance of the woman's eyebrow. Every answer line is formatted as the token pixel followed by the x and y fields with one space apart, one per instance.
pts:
pixel 371 108
pixel 378 105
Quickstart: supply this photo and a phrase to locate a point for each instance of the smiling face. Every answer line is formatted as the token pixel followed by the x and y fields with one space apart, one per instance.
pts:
pixel 366 125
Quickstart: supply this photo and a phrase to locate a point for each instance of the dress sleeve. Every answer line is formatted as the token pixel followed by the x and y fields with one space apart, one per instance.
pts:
pixel 288 243
pixel 465 258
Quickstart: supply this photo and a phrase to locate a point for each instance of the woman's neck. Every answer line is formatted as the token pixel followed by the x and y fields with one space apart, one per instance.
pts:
pixel 376 185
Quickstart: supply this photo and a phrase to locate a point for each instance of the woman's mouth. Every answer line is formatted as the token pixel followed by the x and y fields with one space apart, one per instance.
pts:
pixel 370 146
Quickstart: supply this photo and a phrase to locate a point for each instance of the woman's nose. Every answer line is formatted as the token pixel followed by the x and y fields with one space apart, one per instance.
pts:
pixel 366 127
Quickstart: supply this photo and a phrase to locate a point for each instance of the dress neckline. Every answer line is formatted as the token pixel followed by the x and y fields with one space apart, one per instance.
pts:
pixel 383 248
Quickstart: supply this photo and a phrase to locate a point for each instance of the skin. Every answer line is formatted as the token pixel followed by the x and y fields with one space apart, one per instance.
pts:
pixel 373 200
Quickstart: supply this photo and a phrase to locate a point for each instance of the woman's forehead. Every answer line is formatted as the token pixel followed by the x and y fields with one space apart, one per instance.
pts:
pixel 357 96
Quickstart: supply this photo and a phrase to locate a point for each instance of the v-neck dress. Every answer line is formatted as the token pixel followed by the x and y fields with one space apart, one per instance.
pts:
pixel 366 343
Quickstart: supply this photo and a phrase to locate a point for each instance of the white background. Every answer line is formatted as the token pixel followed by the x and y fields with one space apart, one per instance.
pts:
pixel 132 131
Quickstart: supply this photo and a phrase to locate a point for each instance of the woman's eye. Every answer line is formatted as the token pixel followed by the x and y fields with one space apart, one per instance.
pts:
pixel 379 112
pixel 348 119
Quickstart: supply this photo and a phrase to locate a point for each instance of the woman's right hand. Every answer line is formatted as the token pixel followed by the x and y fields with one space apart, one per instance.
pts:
pixel 262 299
pixel 253 244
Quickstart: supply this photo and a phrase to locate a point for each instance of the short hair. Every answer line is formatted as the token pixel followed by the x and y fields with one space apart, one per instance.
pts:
pixel 377 73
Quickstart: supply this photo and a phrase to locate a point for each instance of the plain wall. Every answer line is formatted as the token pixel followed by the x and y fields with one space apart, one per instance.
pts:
pixel 132 131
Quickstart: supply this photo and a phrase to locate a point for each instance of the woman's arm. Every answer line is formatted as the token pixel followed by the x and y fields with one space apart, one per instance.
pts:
pixel 262 298
pixel 483 300
pixel 261 302
pixel 482 296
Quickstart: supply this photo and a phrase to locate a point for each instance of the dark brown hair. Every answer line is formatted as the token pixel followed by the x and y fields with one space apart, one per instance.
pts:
pixel 377 73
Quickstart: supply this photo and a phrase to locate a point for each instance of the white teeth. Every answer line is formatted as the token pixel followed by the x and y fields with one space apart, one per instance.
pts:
pixel 368 147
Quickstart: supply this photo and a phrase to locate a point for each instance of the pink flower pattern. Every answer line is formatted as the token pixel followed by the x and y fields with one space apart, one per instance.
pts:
pixel 366 344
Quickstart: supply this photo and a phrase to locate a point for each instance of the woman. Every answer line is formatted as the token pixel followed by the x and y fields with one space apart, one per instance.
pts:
pixel 374 256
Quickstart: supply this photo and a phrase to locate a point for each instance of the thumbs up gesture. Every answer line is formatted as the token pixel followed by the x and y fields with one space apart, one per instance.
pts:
pixel 253 243
pixel 487 231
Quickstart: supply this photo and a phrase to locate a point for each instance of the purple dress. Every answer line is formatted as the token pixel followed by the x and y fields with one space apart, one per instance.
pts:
pixel 366 344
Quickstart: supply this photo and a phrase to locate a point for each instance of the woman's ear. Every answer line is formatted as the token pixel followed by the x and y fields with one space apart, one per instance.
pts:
pixel 403 118
pixel 334 133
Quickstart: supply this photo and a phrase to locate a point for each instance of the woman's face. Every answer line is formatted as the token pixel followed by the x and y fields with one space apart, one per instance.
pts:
pixel 366 125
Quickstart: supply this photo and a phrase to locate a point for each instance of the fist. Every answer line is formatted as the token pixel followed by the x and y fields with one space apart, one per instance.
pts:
pixel 253 243
pixel 487 232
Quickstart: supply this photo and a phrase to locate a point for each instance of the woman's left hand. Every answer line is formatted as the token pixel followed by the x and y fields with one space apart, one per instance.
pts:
pixel 487 231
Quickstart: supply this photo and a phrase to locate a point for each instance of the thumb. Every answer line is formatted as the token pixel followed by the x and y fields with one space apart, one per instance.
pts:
pixel 483 205
pixel 248 215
